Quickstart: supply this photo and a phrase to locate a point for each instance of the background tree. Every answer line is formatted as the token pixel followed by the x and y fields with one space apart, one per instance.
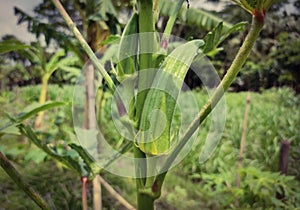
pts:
pixel 41 65
pixel 15 68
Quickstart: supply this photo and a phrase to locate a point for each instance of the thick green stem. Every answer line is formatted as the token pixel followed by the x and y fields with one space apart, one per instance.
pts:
pixel 145 202
pixel 146 25
pixel 140 170
pixel 17 178
pixel 232 72
pixel 147 45
pixel 140 167
pixel 84 45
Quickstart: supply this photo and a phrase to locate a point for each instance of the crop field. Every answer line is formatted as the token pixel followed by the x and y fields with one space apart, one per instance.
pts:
pixel 273 117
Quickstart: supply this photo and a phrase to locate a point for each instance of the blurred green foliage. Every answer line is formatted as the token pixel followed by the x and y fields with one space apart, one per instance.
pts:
pixel 274 116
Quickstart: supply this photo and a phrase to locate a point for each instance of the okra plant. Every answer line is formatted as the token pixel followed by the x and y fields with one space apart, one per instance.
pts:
pixel 150 72
pixel 150 109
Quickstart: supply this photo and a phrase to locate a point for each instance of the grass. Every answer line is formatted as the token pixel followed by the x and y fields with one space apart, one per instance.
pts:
pixel 274 116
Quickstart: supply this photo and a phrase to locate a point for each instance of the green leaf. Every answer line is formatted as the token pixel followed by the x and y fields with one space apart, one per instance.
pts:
pixel 90 164
pixel 212 38
pixel 31 111
pixel 51 66
pixel 73 70
pixel 12 45
pixel 154 137
pixel 38 108
pixel 12 129
pixel 112 39
pixel 65 159
pixel 110 54
pixel 128 47
pixel 98 10
pixel 173 15
pixel 35 155
pixel 215 37
pixel 237 27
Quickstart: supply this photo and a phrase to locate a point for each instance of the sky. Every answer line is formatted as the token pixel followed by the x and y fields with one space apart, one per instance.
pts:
pixel 8 21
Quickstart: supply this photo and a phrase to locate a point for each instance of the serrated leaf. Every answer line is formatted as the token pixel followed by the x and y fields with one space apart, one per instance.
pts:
pixel 212 39
pixel 215 37
pixel 237 27
pixel 90 163
pixel 67 160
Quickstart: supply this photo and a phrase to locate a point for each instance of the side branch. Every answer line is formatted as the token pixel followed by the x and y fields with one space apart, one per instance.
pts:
pixel 84 45
pixel 231 74
pixel 17 178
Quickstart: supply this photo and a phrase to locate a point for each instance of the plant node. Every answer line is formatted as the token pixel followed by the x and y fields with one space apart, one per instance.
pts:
pixel 259 15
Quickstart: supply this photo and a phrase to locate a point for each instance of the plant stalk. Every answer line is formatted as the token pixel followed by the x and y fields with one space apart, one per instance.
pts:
pixel 106 77
pixel 231 74
pixel 147 44
pixel 141 173
pixel 147 40
pixel 145 202
pixel 17 178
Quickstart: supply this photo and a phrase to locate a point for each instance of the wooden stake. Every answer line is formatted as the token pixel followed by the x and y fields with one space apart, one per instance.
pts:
pixel 283 163
pixel 116 195
pixel 243 142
